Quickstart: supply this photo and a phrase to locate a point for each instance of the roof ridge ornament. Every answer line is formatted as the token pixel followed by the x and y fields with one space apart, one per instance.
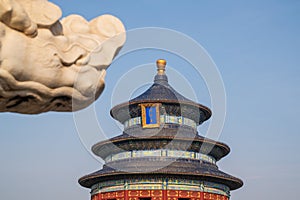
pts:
pixel 161 77
pixel 161 66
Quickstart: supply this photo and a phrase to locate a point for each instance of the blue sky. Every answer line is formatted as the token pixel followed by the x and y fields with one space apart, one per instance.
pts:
pixel 256 46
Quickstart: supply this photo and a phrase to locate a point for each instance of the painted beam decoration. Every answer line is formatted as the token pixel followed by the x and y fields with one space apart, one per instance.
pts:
pixel 150 115
pixel 164 119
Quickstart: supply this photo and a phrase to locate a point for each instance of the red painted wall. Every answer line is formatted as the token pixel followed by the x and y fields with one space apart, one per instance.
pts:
pixel 157 195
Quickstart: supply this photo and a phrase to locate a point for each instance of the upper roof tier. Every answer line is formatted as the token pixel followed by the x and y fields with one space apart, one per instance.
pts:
pixel 172 102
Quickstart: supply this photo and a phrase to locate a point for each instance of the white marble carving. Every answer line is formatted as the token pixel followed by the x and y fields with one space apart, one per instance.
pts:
pixel 52 65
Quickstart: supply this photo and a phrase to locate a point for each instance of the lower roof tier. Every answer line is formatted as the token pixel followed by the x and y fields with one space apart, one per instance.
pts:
pixel 157 167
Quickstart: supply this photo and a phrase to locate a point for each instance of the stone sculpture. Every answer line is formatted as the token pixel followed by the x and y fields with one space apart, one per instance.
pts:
pixel 52 65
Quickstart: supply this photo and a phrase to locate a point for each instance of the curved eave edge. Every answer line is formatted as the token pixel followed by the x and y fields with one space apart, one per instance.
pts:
pixel 206 110
pixel 233 184
pixel 221 145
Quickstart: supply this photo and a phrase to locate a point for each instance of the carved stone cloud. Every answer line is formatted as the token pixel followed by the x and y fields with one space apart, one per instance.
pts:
pixel 52 65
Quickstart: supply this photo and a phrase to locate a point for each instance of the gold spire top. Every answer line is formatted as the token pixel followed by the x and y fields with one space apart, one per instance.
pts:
pixel 161 66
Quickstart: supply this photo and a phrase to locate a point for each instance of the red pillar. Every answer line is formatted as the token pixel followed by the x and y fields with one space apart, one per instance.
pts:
pixel 165 195
pixel 201 195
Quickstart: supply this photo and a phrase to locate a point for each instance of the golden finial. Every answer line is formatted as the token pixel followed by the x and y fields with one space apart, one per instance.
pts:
pixel 161 66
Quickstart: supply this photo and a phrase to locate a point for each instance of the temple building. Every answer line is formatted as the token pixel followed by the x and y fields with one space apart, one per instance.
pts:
pixel 160 155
